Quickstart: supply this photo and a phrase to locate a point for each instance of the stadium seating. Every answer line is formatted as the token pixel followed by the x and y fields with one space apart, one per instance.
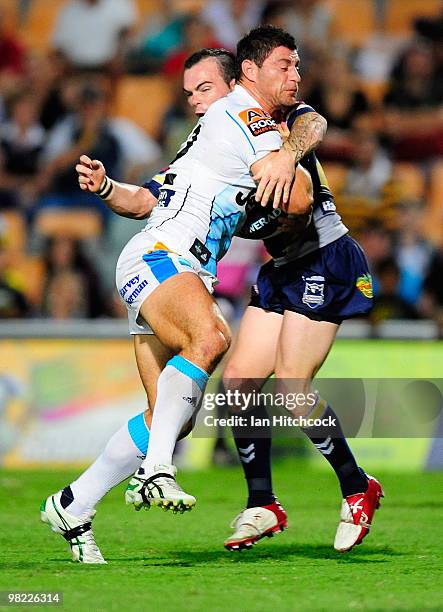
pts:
pixel 76 223
pixel 400 14
pixel 374 91
pixel 13 228
pixel 186 6
pixel 28 273
pixel 353 20
pixel 433 221
pixel 9 12
pixel 336 175
pixel 144 100
pixel 410 181
pixel 146 7
pixel 39 25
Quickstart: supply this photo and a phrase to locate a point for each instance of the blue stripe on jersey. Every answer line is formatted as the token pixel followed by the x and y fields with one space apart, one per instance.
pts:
pixel 184 262
pixel 225 216
pixel 298 112
pixel 219 238
pixel 242 129
pixel 160 264
pixel 139 432
pixel 189 369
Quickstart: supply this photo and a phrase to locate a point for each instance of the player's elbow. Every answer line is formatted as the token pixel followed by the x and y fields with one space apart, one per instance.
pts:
pixel 323 127
pixel 302 203
pixel 143 203
pixel 141 214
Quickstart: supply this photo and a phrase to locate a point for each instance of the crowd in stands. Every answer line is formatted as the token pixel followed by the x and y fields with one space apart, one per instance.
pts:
pixel 103 77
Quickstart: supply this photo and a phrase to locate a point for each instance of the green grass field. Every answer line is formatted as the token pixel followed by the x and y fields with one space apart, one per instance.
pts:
pixel 157 561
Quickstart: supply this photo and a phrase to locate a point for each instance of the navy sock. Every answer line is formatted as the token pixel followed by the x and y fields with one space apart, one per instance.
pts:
pixel 66 497
pixel 254 449
pixel 334 448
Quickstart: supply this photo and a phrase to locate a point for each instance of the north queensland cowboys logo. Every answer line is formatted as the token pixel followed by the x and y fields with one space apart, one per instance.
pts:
pixel 314 292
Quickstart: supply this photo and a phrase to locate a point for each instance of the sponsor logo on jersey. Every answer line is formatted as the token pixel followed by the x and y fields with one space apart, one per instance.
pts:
pixel 165 190
pixel 265 220
pixel 164 197
pixel 137 291
pixel 257 121
pixel 131 283
pixel 364 284
pixel 202 253
pixel 328 206
pixel 314 292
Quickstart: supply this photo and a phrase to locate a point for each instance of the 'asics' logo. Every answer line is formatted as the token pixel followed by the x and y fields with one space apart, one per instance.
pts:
pixel 357 505
pixel 190 400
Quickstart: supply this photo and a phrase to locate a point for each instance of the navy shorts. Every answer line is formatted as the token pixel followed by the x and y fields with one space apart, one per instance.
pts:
pixel 330 284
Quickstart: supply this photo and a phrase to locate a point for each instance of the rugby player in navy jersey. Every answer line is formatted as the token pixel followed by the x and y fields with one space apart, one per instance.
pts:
pixel 314 281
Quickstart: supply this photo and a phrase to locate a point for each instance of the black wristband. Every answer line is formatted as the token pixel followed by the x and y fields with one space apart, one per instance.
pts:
pixel 106 188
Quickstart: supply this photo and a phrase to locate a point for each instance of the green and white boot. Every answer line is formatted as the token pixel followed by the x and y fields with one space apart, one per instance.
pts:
pixel 76 531
pixel 158 489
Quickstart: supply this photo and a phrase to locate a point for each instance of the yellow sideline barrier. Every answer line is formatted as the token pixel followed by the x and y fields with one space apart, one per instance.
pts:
pixel 61 399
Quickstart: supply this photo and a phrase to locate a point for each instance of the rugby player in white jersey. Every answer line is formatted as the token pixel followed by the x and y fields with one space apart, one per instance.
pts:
pixel 166 272
pixel 208 76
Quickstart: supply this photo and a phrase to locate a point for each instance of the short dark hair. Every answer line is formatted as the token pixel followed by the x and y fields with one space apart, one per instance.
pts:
pixel 259 43
pixel 224 58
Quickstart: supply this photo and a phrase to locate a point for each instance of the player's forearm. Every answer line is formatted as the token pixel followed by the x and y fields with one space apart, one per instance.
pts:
pixel 302 194
pixel 306 134
pixel 130 200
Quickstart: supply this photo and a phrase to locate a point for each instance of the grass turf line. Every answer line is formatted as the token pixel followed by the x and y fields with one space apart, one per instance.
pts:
pixel 159 561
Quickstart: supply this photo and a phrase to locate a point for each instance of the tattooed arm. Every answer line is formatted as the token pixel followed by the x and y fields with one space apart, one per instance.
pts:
pixel 306 133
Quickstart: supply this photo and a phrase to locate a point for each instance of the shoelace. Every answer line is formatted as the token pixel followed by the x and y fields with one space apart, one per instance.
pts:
pixel 171 483
pixel 233 524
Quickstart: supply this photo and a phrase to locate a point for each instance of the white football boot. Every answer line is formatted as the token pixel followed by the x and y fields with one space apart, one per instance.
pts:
pixel 158 488
pixel 356 516
pixel 253 524
pixel 77 532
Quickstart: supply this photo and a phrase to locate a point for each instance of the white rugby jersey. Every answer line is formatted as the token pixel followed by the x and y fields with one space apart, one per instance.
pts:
pixel 205 189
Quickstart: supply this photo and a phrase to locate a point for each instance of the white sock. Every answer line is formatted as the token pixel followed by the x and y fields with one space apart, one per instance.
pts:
pixel 121 457
pixel 179 391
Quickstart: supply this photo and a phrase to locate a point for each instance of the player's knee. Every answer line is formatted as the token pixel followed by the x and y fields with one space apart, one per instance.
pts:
pixel 290 381
pixel 291 371
pixel 295 386
pixel 232 372
pixel 212 346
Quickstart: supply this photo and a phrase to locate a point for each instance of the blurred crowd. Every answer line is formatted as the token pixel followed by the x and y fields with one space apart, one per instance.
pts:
pixel 103 77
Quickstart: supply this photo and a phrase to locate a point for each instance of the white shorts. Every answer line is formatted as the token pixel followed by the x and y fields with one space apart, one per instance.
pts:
pixel 142 266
